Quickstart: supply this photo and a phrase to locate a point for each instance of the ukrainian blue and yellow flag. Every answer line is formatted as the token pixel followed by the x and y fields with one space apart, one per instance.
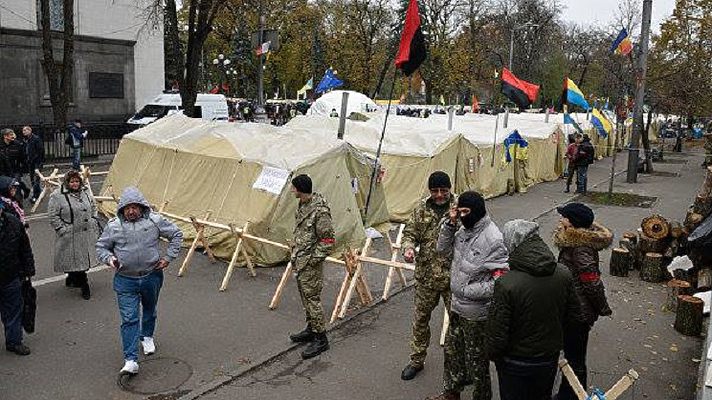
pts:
pixel 622 44
pixel 574 95
pixel 603 126
pixel 570 121
pixel 515 143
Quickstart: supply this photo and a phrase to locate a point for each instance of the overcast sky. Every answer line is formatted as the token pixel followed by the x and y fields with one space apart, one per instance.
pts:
pixel 601 12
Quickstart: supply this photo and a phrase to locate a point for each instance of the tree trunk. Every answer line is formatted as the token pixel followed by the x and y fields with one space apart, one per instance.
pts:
pixel 655 227
pixel 174 57
pixel 649 245
pixel 651 268
pixel 632 248
pixel 58 81
pixel 689 315
pixel 620 262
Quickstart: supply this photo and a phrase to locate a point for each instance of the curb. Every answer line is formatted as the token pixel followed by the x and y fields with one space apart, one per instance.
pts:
pixel 240 372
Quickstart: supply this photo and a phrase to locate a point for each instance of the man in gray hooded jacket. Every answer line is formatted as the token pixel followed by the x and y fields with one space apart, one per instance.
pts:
pixel 479 256
pixel 130 244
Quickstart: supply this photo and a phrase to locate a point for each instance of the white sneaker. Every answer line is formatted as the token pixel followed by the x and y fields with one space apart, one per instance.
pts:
pixel 149 347
pixel 130 368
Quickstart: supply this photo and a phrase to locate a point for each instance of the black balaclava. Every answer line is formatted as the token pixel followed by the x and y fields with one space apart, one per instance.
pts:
pixel 476 203
pixel 302 183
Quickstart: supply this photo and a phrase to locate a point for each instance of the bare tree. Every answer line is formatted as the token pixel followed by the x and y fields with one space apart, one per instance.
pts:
pixel 59 77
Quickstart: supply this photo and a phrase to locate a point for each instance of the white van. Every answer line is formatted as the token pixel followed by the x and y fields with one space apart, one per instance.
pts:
pixel 210 107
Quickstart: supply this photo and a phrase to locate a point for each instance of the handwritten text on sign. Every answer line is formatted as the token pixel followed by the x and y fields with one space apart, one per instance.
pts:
pixel 271 180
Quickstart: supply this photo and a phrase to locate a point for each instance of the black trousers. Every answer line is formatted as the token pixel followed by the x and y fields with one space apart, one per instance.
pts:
pixel 78 279
pixel 575 345
pixel 526 379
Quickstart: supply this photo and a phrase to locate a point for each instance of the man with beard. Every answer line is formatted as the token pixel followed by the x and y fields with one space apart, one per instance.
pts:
pixel 432 270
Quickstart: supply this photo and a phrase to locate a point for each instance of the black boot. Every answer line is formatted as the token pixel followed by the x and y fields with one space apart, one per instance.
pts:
pixel 318 346
pixel 307 335
pixel 86 292
pixel 71 280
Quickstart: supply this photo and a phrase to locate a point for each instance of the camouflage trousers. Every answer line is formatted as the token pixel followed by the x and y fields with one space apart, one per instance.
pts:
pixel 426 299
pixel 310 283
pixel 465 360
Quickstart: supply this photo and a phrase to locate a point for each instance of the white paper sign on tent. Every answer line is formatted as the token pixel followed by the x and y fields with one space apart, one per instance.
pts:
pixel 271 180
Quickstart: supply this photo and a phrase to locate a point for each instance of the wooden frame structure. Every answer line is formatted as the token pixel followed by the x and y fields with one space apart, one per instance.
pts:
pixel 353 262
pixel 612 394
pixel 54 180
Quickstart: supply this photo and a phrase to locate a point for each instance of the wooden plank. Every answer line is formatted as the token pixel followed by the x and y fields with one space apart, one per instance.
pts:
pixel 46 187
pixel 233 260
pixel 350 291
pixel 199 238
pixel 280 287
pixel 622 385
pixel 361 285
pixel 395 247
pixel 573 380
pixel 446 326
pixel 340 297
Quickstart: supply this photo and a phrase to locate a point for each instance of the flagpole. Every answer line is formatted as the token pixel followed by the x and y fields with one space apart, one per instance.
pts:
pixel 494 143
pixel 376 162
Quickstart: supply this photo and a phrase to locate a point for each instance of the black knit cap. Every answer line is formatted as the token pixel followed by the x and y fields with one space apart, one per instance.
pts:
pixel 302 183
pixel 439 179
pixel 476 203
pixel 580 215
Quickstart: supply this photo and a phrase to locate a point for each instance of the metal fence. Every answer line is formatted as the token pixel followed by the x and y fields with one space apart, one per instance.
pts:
pixel 103 139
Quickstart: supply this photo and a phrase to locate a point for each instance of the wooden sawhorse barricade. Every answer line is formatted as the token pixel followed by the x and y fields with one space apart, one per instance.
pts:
pixel 54 180
pixel 612 394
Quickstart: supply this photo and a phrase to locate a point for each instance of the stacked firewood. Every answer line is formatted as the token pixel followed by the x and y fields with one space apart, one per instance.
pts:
pixel 651 249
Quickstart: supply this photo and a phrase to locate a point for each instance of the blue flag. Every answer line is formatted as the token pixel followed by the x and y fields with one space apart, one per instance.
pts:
pixel 329 81
pixel 570 121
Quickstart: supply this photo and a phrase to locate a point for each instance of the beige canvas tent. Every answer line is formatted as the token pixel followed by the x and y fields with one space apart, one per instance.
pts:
pixel 241 173
pixel 412 149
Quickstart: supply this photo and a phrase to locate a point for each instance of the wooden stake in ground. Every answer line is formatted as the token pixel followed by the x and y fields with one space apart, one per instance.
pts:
pixel 688 320
pixel 676 287
pixel 651 269
pixel 620 262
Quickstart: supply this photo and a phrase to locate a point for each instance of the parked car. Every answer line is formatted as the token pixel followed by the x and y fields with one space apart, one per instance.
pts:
pixel 210 107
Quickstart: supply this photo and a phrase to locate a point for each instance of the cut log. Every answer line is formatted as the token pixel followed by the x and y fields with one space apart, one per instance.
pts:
pixel 692 220
pixel 706 188
pixel 702 205
pixel 655 227
pixel 620 262
pixel 704 279
pixel 676 288
pixel 651 268
pixel 629 245
pixel 632 236
pixel 688 320
pixel 647 244
pixel 676 230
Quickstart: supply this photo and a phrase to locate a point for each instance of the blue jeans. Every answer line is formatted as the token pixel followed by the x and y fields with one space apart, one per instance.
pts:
pixel 11 312
pixel 582 178
pixel 76 157
pixel 133 294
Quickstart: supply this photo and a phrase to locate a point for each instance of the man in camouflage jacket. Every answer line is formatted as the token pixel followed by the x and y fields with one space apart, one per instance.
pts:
pixel 313 240
pixel 432 270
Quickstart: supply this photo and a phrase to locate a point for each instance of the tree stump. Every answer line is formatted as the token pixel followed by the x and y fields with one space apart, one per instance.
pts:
pixel 629 245
pixel 620 262
pixel 632 236
pixel 676 231
pixel 651 268
pixel 704 279
pixel 646 244
pixel 692 220
pixel 688 320
pixel 655 227
pixel 676 288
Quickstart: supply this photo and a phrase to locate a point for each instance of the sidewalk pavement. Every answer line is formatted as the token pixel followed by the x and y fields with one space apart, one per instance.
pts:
pixel 226 339
pixel 368 354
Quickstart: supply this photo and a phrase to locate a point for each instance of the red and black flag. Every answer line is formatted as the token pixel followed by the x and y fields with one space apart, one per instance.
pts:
pixel 412 51
pixel 521 92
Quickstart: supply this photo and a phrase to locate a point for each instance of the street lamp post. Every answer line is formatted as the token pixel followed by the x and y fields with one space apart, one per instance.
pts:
pixel 511 40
